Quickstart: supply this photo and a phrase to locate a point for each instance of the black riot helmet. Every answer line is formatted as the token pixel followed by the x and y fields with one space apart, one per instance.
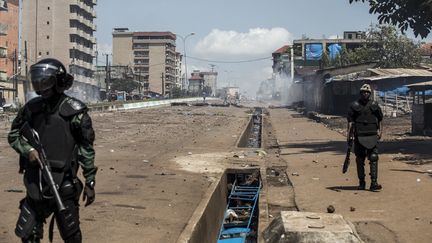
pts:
pixel 50 73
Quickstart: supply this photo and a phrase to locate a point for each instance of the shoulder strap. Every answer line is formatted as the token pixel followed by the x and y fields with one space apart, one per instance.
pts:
pixel 71 107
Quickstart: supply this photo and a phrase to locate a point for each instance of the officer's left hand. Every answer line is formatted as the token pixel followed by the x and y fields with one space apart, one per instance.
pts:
pixel 89 194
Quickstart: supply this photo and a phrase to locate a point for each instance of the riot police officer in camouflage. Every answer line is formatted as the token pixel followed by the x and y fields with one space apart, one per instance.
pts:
pixel 365 117
pixel 66 133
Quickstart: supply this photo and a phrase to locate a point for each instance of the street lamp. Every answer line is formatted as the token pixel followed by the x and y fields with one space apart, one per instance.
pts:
pixel 184 55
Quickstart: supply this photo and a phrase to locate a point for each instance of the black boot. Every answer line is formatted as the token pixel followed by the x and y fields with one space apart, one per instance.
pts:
pixel 361 172
pixel 375 186
pixel 362 185
pixel 374 175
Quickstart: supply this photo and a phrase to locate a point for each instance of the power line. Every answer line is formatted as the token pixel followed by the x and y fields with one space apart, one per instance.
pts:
pixel 241 61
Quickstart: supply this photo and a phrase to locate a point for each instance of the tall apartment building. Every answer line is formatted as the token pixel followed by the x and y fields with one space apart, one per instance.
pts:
pixel 9 28
pixel 151 54
pixel 178 71
pixel 10 90
pixel 62 29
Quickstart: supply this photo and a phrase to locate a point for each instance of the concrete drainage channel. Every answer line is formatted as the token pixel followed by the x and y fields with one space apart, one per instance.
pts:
pixel 230 210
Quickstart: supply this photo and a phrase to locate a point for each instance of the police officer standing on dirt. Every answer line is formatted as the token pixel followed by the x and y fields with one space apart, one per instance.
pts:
pixel 365 118
pixel 66 133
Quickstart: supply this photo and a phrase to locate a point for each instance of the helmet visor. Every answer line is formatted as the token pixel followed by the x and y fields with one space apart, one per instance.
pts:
pixel 43 76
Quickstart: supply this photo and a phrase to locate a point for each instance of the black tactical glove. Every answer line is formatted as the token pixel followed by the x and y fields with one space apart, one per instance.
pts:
pixel 34 157
pixel 89 193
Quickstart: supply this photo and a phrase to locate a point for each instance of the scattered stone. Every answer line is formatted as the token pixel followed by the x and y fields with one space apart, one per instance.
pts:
pixel 331 209
pixel 315 178
pixel 325 166
pixel 112 150
pixel 111 168
pixel 315 161
pixel 418 179
pixel 417 218
pixel 295 174
pixel 189 153
pixel 352 209
pixel 145 161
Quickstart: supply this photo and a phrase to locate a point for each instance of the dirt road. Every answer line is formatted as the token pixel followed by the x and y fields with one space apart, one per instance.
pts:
pixel 314 154
pixel 155 166
pixel 149 180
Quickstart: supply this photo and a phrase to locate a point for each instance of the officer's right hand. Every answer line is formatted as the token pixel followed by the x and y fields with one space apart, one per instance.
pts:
pixel 34 157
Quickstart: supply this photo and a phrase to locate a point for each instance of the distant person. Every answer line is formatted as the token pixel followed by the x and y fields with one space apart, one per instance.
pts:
pixel 365 116
pixel 204 94
pixel 65 131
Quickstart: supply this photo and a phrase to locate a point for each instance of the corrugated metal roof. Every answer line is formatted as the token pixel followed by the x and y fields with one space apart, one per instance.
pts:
pixel 283 49
pixel 400 72
pixel 427 84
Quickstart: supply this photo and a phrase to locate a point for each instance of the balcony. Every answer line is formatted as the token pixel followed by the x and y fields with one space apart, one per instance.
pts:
pixel 3 76
pixel 3 29
pixel 3 5
pixel 3 52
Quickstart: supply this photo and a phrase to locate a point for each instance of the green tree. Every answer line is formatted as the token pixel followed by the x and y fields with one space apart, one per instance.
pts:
pixel 176 92
pixel 127 85
pixel 415 14
pixel 325 60
pixel 390 49
pixel 337 62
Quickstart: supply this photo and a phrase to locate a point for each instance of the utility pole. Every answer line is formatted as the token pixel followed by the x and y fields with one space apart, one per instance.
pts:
pixel 15 68
pixel 107 76
pixel 25 83
pixel 212 67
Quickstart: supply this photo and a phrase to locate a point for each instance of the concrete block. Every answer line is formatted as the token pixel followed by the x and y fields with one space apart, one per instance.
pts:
pixel 293 226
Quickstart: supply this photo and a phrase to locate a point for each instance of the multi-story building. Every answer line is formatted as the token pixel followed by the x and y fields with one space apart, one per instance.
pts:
pixel 62 29
pixel 9 64
pixel 201 81
pixel 9 28
pixel 178 74
pixel 210 80
pixel 150 54
pixel 309 52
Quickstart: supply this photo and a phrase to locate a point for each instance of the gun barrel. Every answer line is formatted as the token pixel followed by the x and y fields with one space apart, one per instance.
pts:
pixel 53 187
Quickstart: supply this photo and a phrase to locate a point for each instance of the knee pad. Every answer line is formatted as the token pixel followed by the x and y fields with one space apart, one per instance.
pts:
pixel 68 220
pixel 373 157
pixel 26 224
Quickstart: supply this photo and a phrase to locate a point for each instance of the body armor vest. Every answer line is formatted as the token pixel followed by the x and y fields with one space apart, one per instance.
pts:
pixel 55 133
pixel 366 123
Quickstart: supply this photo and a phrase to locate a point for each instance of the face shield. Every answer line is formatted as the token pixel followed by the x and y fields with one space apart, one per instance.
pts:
pixel 43 77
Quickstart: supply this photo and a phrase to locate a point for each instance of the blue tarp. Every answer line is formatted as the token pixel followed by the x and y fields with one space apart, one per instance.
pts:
pixel 334 50
pixel 313 51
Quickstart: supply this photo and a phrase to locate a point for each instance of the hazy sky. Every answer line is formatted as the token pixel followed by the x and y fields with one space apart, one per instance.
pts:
pixel 232 30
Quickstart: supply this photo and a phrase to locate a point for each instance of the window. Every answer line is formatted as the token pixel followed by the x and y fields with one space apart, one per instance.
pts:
pixel 40 53
pixel 47 37
pixel 47 53
pixel 48 22
pixel 48 8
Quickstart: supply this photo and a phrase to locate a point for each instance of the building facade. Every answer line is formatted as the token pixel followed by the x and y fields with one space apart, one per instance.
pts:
pixel 62 29
pixel 178 73
pixel 210 80
pixel 10 85
pixel 150 54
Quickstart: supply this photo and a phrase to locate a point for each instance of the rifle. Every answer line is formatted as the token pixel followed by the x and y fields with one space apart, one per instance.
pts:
pixel 32 137
pixel 348 153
